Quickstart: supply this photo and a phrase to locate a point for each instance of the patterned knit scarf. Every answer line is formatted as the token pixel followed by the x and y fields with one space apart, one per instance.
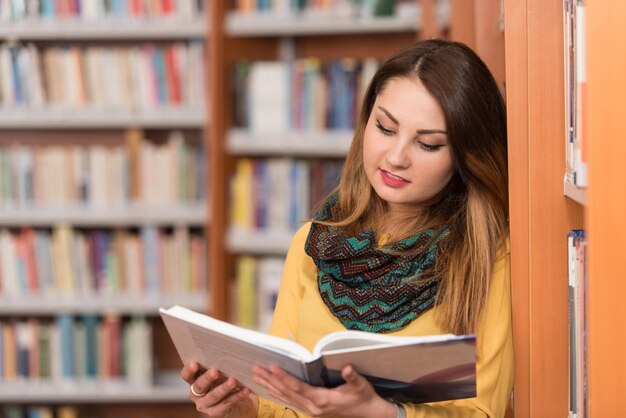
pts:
pixel 365 286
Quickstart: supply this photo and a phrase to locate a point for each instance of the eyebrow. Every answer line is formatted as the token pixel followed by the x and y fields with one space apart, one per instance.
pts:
pixel 419 132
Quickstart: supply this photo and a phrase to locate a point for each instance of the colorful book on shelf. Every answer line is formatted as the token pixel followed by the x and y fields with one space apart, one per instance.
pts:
pixel 408 369
pixel 577 246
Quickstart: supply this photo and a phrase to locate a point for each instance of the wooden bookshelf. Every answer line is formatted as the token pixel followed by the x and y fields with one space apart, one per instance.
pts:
pixel 167 394
pixel 539 221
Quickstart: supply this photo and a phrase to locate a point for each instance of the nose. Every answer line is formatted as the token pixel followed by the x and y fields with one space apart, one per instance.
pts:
pixel 397 155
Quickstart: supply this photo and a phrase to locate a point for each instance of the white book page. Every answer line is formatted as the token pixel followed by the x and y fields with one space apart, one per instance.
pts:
pixel 271 342
pixel 342 341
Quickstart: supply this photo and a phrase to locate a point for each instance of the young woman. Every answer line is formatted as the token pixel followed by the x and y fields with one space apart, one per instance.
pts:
pixel 412 242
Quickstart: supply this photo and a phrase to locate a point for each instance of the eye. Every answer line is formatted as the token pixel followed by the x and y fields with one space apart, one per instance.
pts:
pixel 384 130
pixel 428 147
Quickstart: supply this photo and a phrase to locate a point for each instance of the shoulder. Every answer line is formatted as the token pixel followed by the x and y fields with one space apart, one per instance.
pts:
pixel 301 235
pixel 299 239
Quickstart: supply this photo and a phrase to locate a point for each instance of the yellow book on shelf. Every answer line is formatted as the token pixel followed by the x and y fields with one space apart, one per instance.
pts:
pixel 10 354
pixel 242 195
pixel 67 412
pixel 62 238
pixel 246 292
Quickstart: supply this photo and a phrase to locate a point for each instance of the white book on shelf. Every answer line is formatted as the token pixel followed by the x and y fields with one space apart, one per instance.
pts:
pixel 269 96
pixel 7 89
pixel 8 266
pixel 270 271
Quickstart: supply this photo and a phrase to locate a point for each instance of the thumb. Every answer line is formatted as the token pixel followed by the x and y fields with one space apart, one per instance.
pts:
pixel 352 377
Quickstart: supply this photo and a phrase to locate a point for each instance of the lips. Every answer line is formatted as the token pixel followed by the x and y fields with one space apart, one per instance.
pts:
pixel 392 180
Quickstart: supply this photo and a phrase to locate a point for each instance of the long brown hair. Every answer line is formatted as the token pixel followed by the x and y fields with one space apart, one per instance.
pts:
pixel 474 204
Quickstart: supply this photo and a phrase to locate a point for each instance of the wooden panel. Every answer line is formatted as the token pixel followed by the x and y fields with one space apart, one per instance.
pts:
pixel 606 210
pixel 548 226
pixel 462 22
pixel 218 100
pixel 517 120
pixel 356 46
pixel 430 27
pixel 490 36
pixel 540 215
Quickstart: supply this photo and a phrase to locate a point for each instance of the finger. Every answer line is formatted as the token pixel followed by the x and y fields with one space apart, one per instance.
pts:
pixel 206 381
pixel 285 387
pixel 219 393
pixel 190 372
pixel 225 408
pixel 354 378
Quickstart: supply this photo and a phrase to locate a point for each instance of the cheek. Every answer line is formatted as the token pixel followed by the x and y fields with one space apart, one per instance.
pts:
pixel 439 170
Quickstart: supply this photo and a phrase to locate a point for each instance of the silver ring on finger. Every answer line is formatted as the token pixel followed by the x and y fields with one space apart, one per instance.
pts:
pixel 197 394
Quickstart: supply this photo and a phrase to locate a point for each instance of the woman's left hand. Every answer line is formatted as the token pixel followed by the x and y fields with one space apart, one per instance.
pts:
pixel 355 398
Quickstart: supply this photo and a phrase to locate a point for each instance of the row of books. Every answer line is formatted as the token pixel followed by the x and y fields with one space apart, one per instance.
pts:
pixel 578 383
pixel 257 281
pixel 279 193
pixel 66 261
pixel 18 411
pixel 18 10
pixel 343 8
pixel 115 175
pixel 77 348
pixel 306 94
pixel 575 93
pixel 136 78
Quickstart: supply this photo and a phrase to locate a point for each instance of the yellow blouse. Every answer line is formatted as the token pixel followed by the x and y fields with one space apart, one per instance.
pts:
pixel 301 314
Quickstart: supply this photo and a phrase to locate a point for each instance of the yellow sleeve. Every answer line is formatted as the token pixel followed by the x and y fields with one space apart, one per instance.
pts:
pixel 494 368
pixel 284 321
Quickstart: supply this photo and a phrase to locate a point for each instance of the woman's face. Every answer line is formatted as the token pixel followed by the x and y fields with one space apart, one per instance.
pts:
pixel 406 154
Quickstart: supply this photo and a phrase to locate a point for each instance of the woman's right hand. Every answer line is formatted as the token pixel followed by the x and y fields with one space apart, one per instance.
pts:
pixel 218 396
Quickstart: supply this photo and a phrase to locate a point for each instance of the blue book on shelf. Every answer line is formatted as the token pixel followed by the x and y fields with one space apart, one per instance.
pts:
pixel 262 187
pixel 91 321
pixel 48 8
pixel 18 8
pixel 65 322
pixel 33 412
pixel 200 173
pixel 158 65
pixel 18 88
pixel 292 198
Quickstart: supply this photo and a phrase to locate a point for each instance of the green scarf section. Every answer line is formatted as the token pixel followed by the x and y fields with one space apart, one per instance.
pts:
pixel 366 287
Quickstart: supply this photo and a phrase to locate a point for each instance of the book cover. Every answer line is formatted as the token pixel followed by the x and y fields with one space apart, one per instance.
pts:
pixel 407 369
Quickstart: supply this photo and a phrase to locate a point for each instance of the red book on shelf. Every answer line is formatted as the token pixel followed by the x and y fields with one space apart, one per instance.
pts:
pixel 27 250
pixel 136 8
pixel 172 76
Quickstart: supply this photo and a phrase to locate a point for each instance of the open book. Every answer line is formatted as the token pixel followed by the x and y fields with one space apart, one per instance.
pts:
pixel 406 369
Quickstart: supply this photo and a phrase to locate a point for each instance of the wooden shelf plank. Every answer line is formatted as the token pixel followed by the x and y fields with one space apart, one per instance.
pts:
pixel 575 193
pixel 25 118
pixel 103 29
pixel 305 143
pixel 167 388
pixel 132 215
pixel 242 25
pixel 266 242
pixel 127 304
